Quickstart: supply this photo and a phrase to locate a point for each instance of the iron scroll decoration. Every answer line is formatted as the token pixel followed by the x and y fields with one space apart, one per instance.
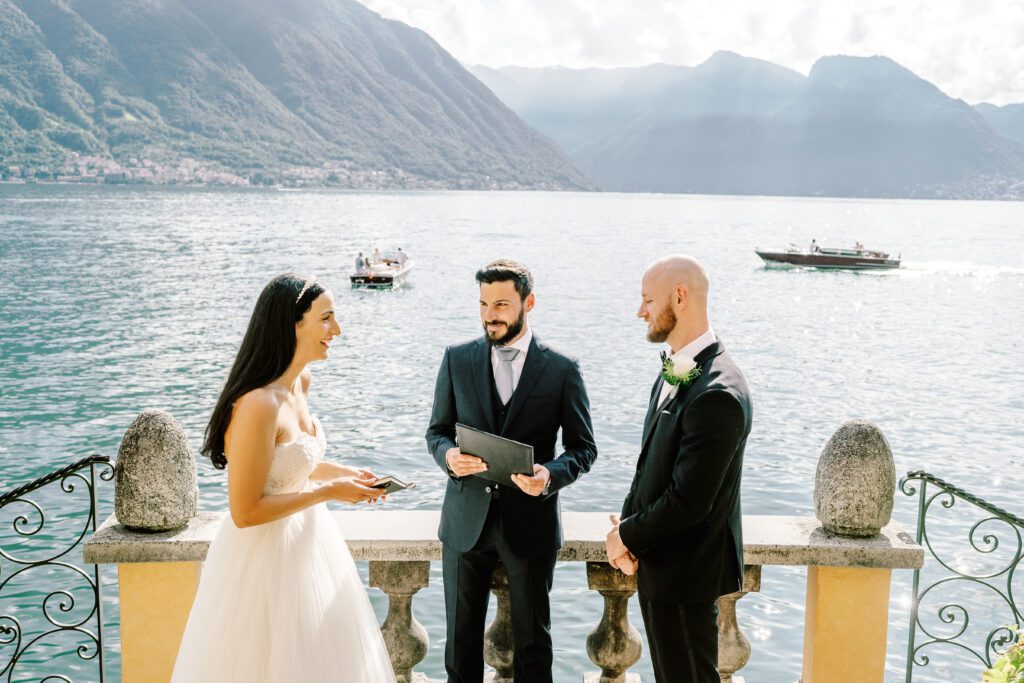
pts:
pixel 995 529
pixel 57 613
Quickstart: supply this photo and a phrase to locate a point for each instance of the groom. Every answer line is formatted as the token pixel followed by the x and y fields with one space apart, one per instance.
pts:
pixel 508 383
pixel 681 522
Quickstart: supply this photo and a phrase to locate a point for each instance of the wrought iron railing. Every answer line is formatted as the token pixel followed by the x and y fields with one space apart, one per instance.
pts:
pixel 38 615
pixel 974 576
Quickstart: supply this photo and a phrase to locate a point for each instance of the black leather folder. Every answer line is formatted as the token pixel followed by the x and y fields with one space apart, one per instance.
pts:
pixel 504 457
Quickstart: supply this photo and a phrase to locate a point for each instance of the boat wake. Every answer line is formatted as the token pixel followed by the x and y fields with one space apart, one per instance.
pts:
pixel 984 271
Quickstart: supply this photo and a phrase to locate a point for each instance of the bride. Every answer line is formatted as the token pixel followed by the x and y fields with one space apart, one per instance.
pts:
pixel 280 599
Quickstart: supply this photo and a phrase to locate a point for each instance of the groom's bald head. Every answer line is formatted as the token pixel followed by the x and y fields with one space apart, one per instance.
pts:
pixel 679 270
pixel 675 300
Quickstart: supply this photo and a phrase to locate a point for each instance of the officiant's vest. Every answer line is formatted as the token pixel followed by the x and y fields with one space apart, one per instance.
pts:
pixel 500 409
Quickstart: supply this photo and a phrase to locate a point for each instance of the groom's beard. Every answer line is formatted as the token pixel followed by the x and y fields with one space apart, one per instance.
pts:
pixel 663 326
pixel 512 331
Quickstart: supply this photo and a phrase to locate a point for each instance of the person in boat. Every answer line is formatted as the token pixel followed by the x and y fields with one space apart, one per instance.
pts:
pixel 814 248
pixel 859 247
pixel 361 264
pixel 376 258
pixel 402 257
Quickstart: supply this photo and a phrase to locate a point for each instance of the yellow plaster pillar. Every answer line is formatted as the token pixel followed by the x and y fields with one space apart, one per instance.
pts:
pixel 845 625
pixel 156 598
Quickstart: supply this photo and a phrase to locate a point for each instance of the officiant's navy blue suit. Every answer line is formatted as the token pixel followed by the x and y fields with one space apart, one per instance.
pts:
pixel 482 523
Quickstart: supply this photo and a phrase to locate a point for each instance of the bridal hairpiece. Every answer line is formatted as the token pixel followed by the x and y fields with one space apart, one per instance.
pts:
pixel 305 287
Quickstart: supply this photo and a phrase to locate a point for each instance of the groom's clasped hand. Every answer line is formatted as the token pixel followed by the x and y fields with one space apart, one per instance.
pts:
pixel 618 556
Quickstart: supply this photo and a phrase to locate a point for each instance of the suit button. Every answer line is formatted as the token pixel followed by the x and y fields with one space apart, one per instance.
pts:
pixel 488 489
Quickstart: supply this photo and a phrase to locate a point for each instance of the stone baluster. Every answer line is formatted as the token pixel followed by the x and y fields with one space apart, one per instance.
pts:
pixel 614 644
pixel 498 644
pixel 406 639
pixel 733 646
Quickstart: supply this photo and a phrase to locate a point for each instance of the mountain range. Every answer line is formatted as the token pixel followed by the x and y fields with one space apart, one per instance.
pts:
pixel 327 91
pixel 854 126
pixel 256 87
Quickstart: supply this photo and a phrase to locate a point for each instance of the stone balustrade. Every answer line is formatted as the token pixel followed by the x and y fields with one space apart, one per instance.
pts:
pixel 158 573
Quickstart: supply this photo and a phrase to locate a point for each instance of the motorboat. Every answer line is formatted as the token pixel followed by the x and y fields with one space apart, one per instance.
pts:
pixel 388 273
pixel 830 258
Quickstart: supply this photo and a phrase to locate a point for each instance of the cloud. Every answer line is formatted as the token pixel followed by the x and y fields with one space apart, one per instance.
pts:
pixel 972 49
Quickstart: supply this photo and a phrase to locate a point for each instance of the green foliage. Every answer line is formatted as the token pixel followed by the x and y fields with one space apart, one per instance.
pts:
pixel 74 139
pixel 1010 667
pixel 29 118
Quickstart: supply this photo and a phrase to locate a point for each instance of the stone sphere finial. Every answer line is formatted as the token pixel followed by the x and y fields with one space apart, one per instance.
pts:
pixel 855 484
pixel 155 475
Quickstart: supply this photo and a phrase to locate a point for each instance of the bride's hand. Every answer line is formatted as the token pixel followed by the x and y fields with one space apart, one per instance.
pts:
pixel 364 475
pixel 352 490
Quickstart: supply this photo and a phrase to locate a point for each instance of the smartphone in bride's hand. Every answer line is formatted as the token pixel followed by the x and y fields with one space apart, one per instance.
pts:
pixel 392 484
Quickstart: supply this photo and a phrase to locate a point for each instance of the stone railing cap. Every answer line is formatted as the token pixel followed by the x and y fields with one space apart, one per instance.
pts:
pixel 112 543
pixel 412 535
pixel 776 540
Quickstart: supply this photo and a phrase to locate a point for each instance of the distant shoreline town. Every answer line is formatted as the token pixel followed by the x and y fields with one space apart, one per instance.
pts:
pixel 187 171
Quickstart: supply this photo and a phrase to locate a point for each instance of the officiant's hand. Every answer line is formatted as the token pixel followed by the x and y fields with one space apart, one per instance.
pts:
pixel 463 465
pixel 533 486
pixel 618 554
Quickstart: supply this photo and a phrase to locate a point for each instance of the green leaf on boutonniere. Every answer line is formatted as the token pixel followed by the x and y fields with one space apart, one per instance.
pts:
pixel 678 374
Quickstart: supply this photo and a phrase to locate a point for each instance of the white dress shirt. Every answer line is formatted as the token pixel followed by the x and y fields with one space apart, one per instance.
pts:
pixel 523 344
pixel 688 352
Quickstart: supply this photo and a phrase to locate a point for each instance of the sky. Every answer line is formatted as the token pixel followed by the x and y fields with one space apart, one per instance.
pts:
pixel 970 49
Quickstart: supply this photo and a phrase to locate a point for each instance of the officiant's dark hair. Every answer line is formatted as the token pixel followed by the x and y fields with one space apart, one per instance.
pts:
pixel 266 352
pixel 505 270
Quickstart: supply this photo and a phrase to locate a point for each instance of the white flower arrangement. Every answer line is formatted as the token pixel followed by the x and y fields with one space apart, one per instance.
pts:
pixel 678 373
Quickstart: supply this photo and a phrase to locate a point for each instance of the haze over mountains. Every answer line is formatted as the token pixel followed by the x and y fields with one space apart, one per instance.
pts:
pixel 852 127
pixel 1008 119
pixel 254 87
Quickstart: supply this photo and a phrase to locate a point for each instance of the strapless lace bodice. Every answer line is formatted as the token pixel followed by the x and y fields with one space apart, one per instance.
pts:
pixel 293 461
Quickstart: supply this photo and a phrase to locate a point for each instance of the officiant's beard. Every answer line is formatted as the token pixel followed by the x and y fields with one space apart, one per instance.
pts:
pixel 663 326
pixel 512 330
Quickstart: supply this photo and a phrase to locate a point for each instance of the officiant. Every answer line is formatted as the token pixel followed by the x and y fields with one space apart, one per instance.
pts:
pixel 509 383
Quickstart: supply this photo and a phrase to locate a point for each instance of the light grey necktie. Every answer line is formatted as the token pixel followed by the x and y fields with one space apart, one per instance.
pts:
pixel 503 374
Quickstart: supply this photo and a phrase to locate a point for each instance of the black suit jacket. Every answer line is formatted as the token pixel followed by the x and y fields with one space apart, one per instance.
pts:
pixel 682 517
pixel 550 395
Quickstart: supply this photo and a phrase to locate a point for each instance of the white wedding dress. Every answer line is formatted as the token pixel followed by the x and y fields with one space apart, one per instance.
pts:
pixel 282 602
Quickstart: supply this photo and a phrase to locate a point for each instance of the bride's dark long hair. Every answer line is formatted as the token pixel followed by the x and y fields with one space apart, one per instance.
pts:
pixel 266 352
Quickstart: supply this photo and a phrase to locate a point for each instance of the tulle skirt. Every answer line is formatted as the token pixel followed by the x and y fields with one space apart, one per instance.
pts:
pixel 281 603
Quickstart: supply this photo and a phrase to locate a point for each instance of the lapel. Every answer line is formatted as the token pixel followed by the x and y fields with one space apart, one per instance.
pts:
pixel 654 411
pixel 482 379
pixel 652 408
pixel 533 368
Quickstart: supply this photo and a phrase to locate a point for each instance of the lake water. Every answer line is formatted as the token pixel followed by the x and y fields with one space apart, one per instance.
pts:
pixel 113 300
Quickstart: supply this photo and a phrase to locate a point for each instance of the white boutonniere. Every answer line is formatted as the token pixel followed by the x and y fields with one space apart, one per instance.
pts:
pixel 678 373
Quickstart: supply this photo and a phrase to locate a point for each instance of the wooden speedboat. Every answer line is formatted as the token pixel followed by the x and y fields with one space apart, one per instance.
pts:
pixel 830 258
pixel 386 274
